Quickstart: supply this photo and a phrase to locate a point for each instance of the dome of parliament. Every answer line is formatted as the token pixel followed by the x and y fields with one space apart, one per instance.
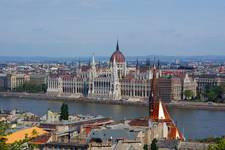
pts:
pixel 118 55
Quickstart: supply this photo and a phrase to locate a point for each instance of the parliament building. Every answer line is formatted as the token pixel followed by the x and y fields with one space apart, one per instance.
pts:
pixel 116 81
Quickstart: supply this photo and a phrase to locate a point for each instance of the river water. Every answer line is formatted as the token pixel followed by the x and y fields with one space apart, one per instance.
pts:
pixel 194 124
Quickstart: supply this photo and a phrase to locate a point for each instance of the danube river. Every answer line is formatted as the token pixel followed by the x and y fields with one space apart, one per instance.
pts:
pixel 193 123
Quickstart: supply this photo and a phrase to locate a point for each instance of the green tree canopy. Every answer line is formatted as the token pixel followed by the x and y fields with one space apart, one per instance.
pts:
pixel 154 145
pixel 213 92
pixel 3 128
pixel 188 94
pixel 145 147
pixel 64 114
pixel 220 145
pixel 32 88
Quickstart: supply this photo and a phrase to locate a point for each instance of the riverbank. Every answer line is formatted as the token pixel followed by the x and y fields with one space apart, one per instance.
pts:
pixel 42 96
pixel 178 104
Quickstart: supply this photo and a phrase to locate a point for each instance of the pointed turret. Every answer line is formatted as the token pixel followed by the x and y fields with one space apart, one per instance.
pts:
pixel 93 68
pixel 137 64
pixel 153 93
pixel 115 73
pixel 93 62
pixel 79 64
pixel 99 64
pixel 158 65
pixel 117 46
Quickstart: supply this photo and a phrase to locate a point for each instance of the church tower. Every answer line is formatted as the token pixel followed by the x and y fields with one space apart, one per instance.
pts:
pixel 160 122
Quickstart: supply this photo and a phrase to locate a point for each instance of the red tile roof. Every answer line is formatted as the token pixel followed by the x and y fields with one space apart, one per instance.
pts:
pixel 41 139
pixel 139 122
pixel 155 114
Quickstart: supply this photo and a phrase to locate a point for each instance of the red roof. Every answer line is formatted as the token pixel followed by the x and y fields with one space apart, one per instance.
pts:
pixel 119 57
pixel 160 113
pixel 67 77
pixel 174 133
pixel 41 139
pixel 85 68
pixel 139 122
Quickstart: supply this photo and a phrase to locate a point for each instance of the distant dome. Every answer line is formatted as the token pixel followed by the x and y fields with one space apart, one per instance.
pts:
pixel 118 55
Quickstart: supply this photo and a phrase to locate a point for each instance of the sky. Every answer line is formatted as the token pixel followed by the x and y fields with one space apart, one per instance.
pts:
pixel 77 28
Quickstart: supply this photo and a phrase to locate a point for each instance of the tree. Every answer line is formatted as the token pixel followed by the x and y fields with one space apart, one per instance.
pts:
pixel 64 114
pixel 223 88
pixel 22 144
pixel 145 147
pixel 3 128
pixel 220 145
pixel 188 94
pixel 154 145
pixel 44 88
pixel 34 133
pixel 213 92
pixel 32 88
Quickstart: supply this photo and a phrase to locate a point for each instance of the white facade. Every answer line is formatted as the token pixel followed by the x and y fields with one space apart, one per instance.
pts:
pixel 102 83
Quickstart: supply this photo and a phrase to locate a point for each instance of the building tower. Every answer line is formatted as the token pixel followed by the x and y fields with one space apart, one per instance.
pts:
pixel 149 74
pixel 92 76
pixel 115 91
pixel 153 98
pixel 120 61
pixel 160 121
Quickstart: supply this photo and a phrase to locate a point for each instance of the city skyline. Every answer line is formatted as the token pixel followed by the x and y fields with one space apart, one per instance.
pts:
pixel 78 28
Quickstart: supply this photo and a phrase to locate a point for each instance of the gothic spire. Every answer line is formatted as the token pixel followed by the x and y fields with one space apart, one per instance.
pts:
pixel 158 65
pixel 153 93
pixel 79 64
pixel 148 62
pixel 115 73
pixel 117 46
pixel 93 60
pixel 137 64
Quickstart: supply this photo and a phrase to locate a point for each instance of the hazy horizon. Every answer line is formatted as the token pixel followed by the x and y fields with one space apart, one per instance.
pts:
pixel 79 28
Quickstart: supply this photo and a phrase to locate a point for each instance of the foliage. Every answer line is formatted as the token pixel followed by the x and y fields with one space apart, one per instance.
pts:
pixel 220 145
pixel 145 147
pixel 211 139
pixel 213 92
pixel 223 88
pixel 188 94
pixel 18 145
pixel 154 145
pixel 64 114
pixel 22 144
pixel 3 128
pixel 32 88
pixel 34 132
pixel 3 145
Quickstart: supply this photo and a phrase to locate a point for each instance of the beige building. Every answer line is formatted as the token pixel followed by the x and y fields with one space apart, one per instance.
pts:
pixel 188 84
pixel 38 78
pixel 208 80
pixel 16 80
pixel 169 89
